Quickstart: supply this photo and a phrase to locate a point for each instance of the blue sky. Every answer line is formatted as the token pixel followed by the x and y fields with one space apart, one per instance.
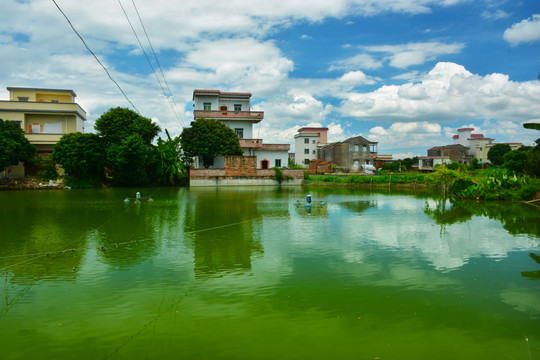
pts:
pixel 405 73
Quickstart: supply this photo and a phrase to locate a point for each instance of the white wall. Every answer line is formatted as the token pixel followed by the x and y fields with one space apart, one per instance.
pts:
pixel 247 126
pixel 300 146
pixel 271 156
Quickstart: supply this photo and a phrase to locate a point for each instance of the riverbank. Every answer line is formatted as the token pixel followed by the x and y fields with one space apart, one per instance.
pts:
pixel 492 184
pixel 31 184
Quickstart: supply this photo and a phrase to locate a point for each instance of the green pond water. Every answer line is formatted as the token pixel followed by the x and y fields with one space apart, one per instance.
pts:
pixel 247 273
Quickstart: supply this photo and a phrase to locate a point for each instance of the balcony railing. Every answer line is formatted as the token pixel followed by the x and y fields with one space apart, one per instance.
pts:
pixel 254 116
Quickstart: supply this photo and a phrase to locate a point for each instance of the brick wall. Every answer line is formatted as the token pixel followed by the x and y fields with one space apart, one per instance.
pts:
pixel 241 167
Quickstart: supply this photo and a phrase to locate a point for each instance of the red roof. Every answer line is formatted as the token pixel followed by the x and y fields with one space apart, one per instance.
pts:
pixel 465 129
pixel 477 135
pixel 455 136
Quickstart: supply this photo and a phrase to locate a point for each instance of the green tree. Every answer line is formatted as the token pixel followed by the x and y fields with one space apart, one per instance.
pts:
pixel 532 165
pixel 208 138
pixel 515 160
pixel 83 158
pixel 123 130
pixel 170 168
pixel 407 163
pixel 118 123
pixel 496 153
pixel 134 162
pixel 475 164
pixel 14 146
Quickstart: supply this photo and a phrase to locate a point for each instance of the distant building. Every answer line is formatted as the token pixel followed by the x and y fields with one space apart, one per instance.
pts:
pixel 321 167
pixel 234 110
pixel 45 115
pixel 350 154
pixel 307 142
pixel 476 144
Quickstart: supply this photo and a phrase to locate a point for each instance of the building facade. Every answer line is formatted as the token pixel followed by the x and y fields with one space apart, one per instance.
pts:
pixel 307 143
pixel 351 154
pixel 45 115
pixel 234 110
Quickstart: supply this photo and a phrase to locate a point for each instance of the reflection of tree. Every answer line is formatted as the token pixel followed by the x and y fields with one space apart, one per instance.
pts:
pixel 515 217
pixel 358 206
pixel 446 215
pixel 223 227
pixel 533 274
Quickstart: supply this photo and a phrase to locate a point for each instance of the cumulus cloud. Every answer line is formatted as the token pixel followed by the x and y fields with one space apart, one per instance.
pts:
pixel 406 136
pixel 448 93
pixel 527 30
pixel 495 15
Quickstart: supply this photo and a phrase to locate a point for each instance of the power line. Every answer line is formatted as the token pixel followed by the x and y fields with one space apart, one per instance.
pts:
pixel 95 57
pixel 147 58
pixel 157 61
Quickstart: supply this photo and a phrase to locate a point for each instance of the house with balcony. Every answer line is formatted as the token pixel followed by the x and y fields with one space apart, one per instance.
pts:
pixel 45 115
pixel 234 110
pixel 307 143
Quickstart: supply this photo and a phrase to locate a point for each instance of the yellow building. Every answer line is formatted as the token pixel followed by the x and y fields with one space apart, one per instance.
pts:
pixel 45 115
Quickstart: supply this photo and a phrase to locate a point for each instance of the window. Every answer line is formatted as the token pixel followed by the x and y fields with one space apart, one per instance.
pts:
pixel 306 141
pixel 25 99
pixel 314 152
pixel 314 141
pixel 207 106
pixel 18 122
pixel 278 162
pixel 54 101
pixel 306 151
pixel 306 161
pixel 239 132
pixel 223 108
pixel 356 148
pixel 237 107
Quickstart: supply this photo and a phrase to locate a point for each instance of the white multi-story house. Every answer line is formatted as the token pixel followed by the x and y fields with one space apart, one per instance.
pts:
pixel 234 110
pixel 307 142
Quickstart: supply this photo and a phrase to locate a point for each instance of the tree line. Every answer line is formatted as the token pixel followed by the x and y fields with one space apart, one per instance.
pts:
pixel 121 151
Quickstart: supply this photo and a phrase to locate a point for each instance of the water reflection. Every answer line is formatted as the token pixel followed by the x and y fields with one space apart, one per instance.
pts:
pixel 222 228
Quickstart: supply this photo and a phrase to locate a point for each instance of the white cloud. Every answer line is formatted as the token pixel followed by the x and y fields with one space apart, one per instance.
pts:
pixel 448 93
pixel 360 61
pixel 405 55
pixel 496 15
pixel 527 30
pixel 305 37
pixel 406 136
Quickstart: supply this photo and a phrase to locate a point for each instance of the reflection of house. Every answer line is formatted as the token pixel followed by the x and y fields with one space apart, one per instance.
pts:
pixel 45 115
pixel 234 110
pixel 307 142
pixel 350 154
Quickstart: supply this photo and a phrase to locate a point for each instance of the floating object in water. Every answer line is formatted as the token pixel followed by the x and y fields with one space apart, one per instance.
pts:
pixel 150 199
pixel 126 200
pixel 308 198
pixel 322 203
pixel 298 201
pixel 138 196
pixel 137 201
pixel 308 205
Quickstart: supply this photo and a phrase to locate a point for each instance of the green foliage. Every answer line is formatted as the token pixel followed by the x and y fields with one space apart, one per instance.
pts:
pixel 457 166
pixel 407 163
pixel 292 165
pixel 391 166
pixel 475 164
pixel 83 158
pixel 208 138
pixel 170 169
pixel 128 137
pixel 47 169
pixel 14 146
pixel 278 176
pixel 135 161
pixel 496 153
pixel 515 160
pixel 118 123
pixel 533 162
